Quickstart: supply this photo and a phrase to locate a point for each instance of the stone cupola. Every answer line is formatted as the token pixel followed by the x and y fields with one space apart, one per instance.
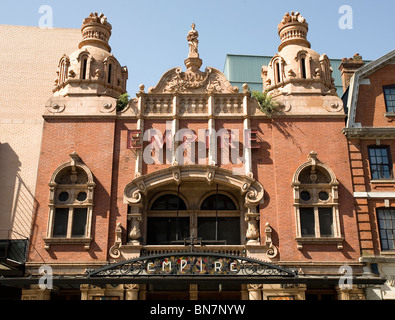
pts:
pixel 91 70
pixel 293 30
pixel 96 31
pixel 297 72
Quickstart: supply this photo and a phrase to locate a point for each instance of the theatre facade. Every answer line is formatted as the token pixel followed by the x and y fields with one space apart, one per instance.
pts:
pixel 194 189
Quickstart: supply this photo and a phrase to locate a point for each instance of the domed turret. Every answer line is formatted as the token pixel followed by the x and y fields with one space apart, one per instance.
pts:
pixel 297 70
pixel 92 69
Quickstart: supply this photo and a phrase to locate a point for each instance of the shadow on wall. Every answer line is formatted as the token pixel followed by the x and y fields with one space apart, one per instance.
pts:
pixel 17 202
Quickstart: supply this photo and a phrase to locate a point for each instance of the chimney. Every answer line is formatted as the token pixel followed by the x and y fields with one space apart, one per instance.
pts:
pixel 348 67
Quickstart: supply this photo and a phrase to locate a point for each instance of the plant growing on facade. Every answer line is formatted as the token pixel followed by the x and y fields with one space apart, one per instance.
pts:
pixel 122 101
pixel 265 102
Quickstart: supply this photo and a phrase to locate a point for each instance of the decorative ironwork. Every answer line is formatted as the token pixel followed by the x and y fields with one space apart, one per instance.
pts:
pixel 192 264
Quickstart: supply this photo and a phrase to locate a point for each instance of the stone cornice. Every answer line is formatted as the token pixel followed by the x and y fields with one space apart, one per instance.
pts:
pixel 369 133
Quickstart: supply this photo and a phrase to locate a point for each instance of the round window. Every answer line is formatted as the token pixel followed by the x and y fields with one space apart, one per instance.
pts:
pixel 63 197
pixel 81 196
pixel 323 196
pixel 305 196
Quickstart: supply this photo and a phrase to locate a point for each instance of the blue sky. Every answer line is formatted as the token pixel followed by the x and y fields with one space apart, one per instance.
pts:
pixel 149 36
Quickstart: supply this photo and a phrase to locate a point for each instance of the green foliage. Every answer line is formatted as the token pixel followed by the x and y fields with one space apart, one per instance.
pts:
pixel 265 101
pixel 122 101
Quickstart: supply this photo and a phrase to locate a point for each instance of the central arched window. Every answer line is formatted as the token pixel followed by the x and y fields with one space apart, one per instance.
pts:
pixel 170 224
pixel 215 220
pixel 219 221
pixel 168 202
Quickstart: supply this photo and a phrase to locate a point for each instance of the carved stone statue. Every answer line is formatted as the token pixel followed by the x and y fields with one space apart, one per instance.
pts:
pixel 193 40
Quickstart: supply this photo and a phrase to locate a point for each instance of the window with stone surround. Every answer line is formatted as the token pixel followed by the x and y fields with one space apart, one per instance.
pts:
pixel 389 95
pixel 71 204
pixel 380 162
pixel 386 222
pixel 316 204
pixel 170 221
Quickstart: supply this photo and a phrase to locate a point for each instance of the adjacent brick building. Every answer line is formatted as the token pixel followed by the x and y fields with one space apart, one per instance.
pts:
pixel 369 131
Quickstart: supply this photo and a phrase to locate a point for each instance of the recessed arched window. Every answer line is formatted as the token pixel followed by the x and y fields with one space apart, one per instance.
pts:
pixel 316 204
pixel 278 73
pixel 109 79
pixel 303 67
pixel 71 204
pixel 218 202
pixel 168 202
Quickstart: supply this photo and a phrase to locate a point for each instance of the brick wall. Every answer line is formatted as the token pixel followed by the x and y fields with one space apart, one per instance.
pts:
pixel 29 57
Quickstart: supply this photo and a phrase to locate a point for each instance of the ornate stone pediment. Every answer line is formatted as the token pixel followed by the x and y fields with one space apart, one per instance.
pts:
pixel 193 80
pixel 209 81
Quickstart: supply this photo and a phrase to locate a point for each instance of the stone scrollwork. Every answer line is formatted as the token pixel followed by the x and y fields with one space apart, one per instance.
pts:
pixel 107 107
pixel 115 251
pixel 56 107
pixel 272 251
pixel 252 190
pixel 253 197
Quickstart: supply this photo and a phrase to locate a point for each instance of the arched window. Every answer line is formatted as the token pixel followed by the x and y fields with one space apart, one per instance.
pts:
pixel 71 204
pixel 63 70
pixel 278 73
pixel 316 204
pixel 219 220
pixel 218 202
pixel 167 222
pixel 84 68
pixel 109 78
pixel 168 202
pixel 303 67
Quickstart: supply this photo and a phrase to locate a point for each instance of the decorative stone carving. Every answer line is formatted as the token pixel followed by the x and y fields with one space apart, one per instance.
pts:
pixel 115 251
pixel 272 251
pixel 193 80
pixel 135 232
pixel 134 191
pixel 193 40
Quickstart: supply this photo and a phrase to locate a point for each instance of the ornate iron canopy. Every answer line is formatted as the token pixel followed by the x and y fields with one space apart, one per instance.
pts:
pixel 192 264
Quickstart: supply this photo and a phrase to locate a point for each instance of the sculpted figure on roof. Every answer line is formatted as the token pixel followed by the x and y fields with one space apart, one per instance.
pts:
pixel 193 40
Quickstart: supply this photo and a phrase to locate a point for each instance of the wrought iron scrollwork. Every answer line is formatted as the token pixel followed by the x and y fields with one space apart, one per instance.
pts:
pixel 192 263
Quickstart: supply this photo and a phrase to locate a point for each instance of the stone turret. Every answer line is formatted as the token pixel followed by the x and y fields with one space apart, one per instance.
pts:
pixel 297 72
pixel 92 69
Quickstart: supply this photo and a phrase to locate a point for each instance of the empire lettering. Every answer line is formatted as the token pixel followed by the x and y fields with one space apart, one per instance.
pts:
pixel 191 265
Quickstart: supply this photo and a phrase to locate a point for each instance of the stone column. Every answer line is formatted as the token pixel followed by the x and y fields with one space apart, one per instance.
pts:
pixel 212 151
pixel 140 127
pixel 255 291
pixel 252 219
pixel 193 292
pixel 131 291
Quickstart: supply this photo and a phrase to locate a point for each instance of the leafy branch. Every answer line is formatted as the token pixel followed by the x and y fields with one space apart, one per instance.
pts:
pixel 265 102
pixel 123 101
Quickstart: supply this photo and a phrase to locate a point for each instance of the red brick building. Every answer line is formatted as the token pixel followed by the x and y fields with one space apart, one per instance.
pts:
pixel 195 190
pixel 370 135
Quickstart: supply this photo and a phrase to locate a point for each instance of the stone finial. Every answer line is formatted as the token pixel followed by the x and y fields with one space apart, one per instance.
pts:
pixel 193 62
pixel 96 31
pixel 293 29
